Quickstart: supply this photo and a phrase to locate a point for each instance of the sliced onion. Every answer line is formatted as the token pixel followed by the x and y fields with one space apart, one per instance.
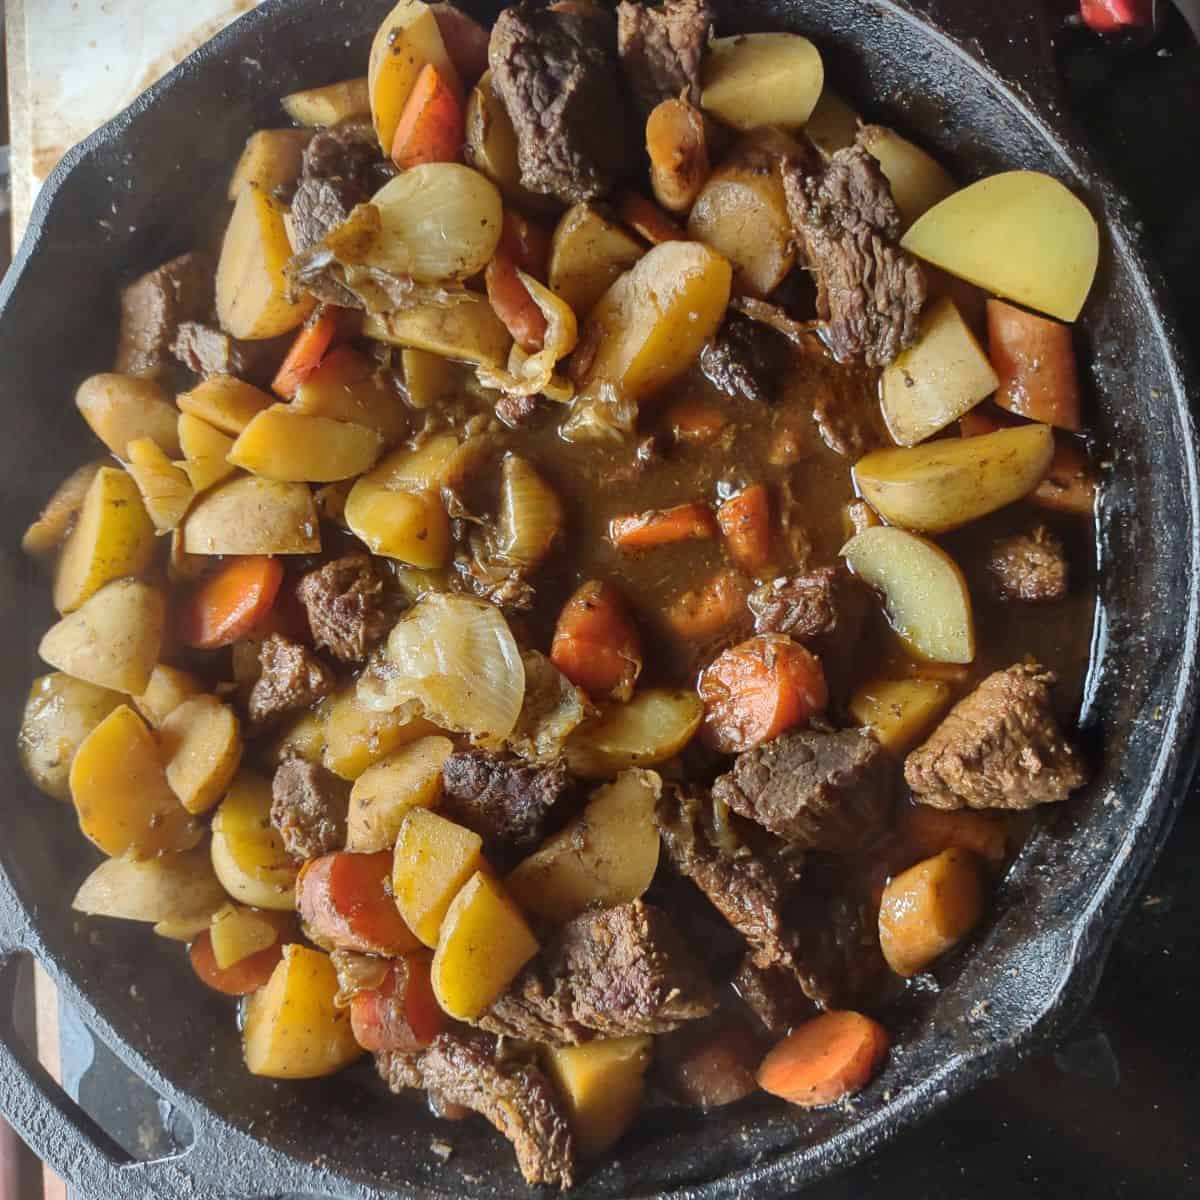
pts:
pixel 356 973
pixel 554 708
pixel 531 514
pixel 533 374
pixel 457 658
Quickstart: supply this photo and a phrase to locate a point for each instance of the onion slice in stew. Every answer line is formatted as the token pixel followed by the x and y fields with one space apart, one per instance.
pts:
pixel 533 374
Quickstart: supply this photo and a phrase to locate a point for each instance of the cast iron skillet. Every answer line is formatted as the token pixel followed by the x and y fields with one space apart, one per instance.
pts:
pixel 971 80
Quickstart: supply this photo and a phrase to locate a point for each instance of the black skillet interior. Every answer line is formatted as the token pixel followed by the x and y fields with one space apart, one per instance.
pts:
pixel 141 191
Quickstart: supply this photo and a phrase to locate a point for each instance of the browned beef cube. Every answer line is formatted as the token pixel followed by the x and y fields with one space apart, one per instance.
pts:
pixel 661 48
pixel 348 610
pixel 154 306
pixel 801 606
pixel 309 806
pixel 772 994
pixel 746 359
pixel 1030 566
pixel 292 678
pixel 206 350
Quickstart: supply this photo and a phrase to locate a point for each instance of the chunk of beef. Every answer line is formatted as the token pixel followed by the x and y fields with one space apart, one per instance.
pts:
pixel 745 359
pixel 870 293
pixel 609 973
pixel 309 806
pixel 154 306
pixel 1001 747
pixel 479 1072
pixel 822 791
pixel 348 151
pixel 504 800
pixel 557 73
pixel 319 207
pixel 206 350
pixel 1030 566
pixel 801 606
pixel 400 1069
pixel 661 48
pixel 843 962
pixel 293 677
pixel 348 609
pixel 772 994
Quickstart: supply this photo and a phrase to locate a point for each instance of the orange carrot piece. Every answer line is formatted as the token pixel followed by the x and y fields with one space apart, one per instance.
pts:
pixel 694 420
pixel 431 126
pixel 756 690
pixel 527 243
pixel 745 520
pixel 1035 359
pixel 825 1059
pixel 647 220
pixel 932 830
pixel 225 606
pixel 596 644
pixel 662 527
pixel 704 612
pixel 525 247
pixel 344 899
pixel 402 1013
pixel 310 347
pixel 241 978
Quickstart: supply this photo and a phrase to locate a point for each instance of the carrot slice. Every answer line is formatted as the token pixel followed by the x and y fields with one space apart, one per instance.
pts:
pixel 523 247
pixel 344 899
pixel 932 830
pixel 745 520
pixel 704 612
pixel 240 979
pixel 662 527
pixel 1035 359
pixel 646 219
pixel 596 644
pixel 431 124
pixel 228 604
pixel 756 690
pixel 310 347
pixel 694 420
pixel 830 1057
pixel 402 1013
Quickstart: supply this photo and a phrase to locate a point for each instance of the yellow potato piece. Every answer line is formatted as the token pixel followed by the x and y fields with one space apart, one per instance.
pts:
pixel 438 462
pixel 249 515
pixel 324 106
pixel 345 388
pixel 757 79
pixel 270 160
pixel 166 489
pixel 59 714
pixel 252 301
pixel 187 929
pixel 113 640
pixel 121 795
pixel 587 254
pixel 175 889
pixel 832 125
pixel 918 180
pixel 237 933
pixel 247 852
pixel 484 943
pixel 428 378
pixel 900 712
pixel 355 737
pixel 58 518
pixel 203 744
pixel 652 727
pixel 928 603
pixel 113 538
pixel 947 483
pixel 120 408
pixel 433 859
pixel 412 527
pixel 293 1029
pixel 289 446
pixel 649 326
pixel 205 451
pixel 607 855
pixel 945 374
pixel 1021 235
pixel 168 688
pixel 225 403
pixel 601 1083
pixel 383 794
pixel 465 329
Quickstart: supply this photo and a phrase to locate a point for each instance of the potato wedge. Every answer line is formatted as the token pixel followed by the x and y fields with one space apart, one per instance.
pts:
pixel 607 855
pixel 113 639
pixel 484 943
pixel 252 292
pixel 289 446
pixel 832 125
pixel 121 795
pixel 323 106
pixel 601 1083
pixel 355 737
pixel 186 929
pixel 247 851
pixel 168 688
pixel 113 538
pixel 900 712
pixel 928 603
pixel 204 453
pixel 441 461
pixel 237 933
pixel 58 716
pixel 951 482
pixel 270 160
pixel 935 381
pixel 120 408
pixel 292 1028
pixel 918 180
pixel 384 792
pixel 225 403
pixel 412 527
pixel 172 888
pixel 757 79
pixel 56 520
pixel 1022 235
pixel 434 858
pixel 166 489
pixel 202 742
pixel 428 378
pixel 464 329
pixel 653 727
pixel 345 388
pixel 249 515
pixel 587 254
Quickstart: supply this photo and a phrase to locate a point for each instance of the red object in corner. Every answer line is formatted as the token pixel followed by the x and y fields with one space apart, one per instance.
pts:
pixel 1109 16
